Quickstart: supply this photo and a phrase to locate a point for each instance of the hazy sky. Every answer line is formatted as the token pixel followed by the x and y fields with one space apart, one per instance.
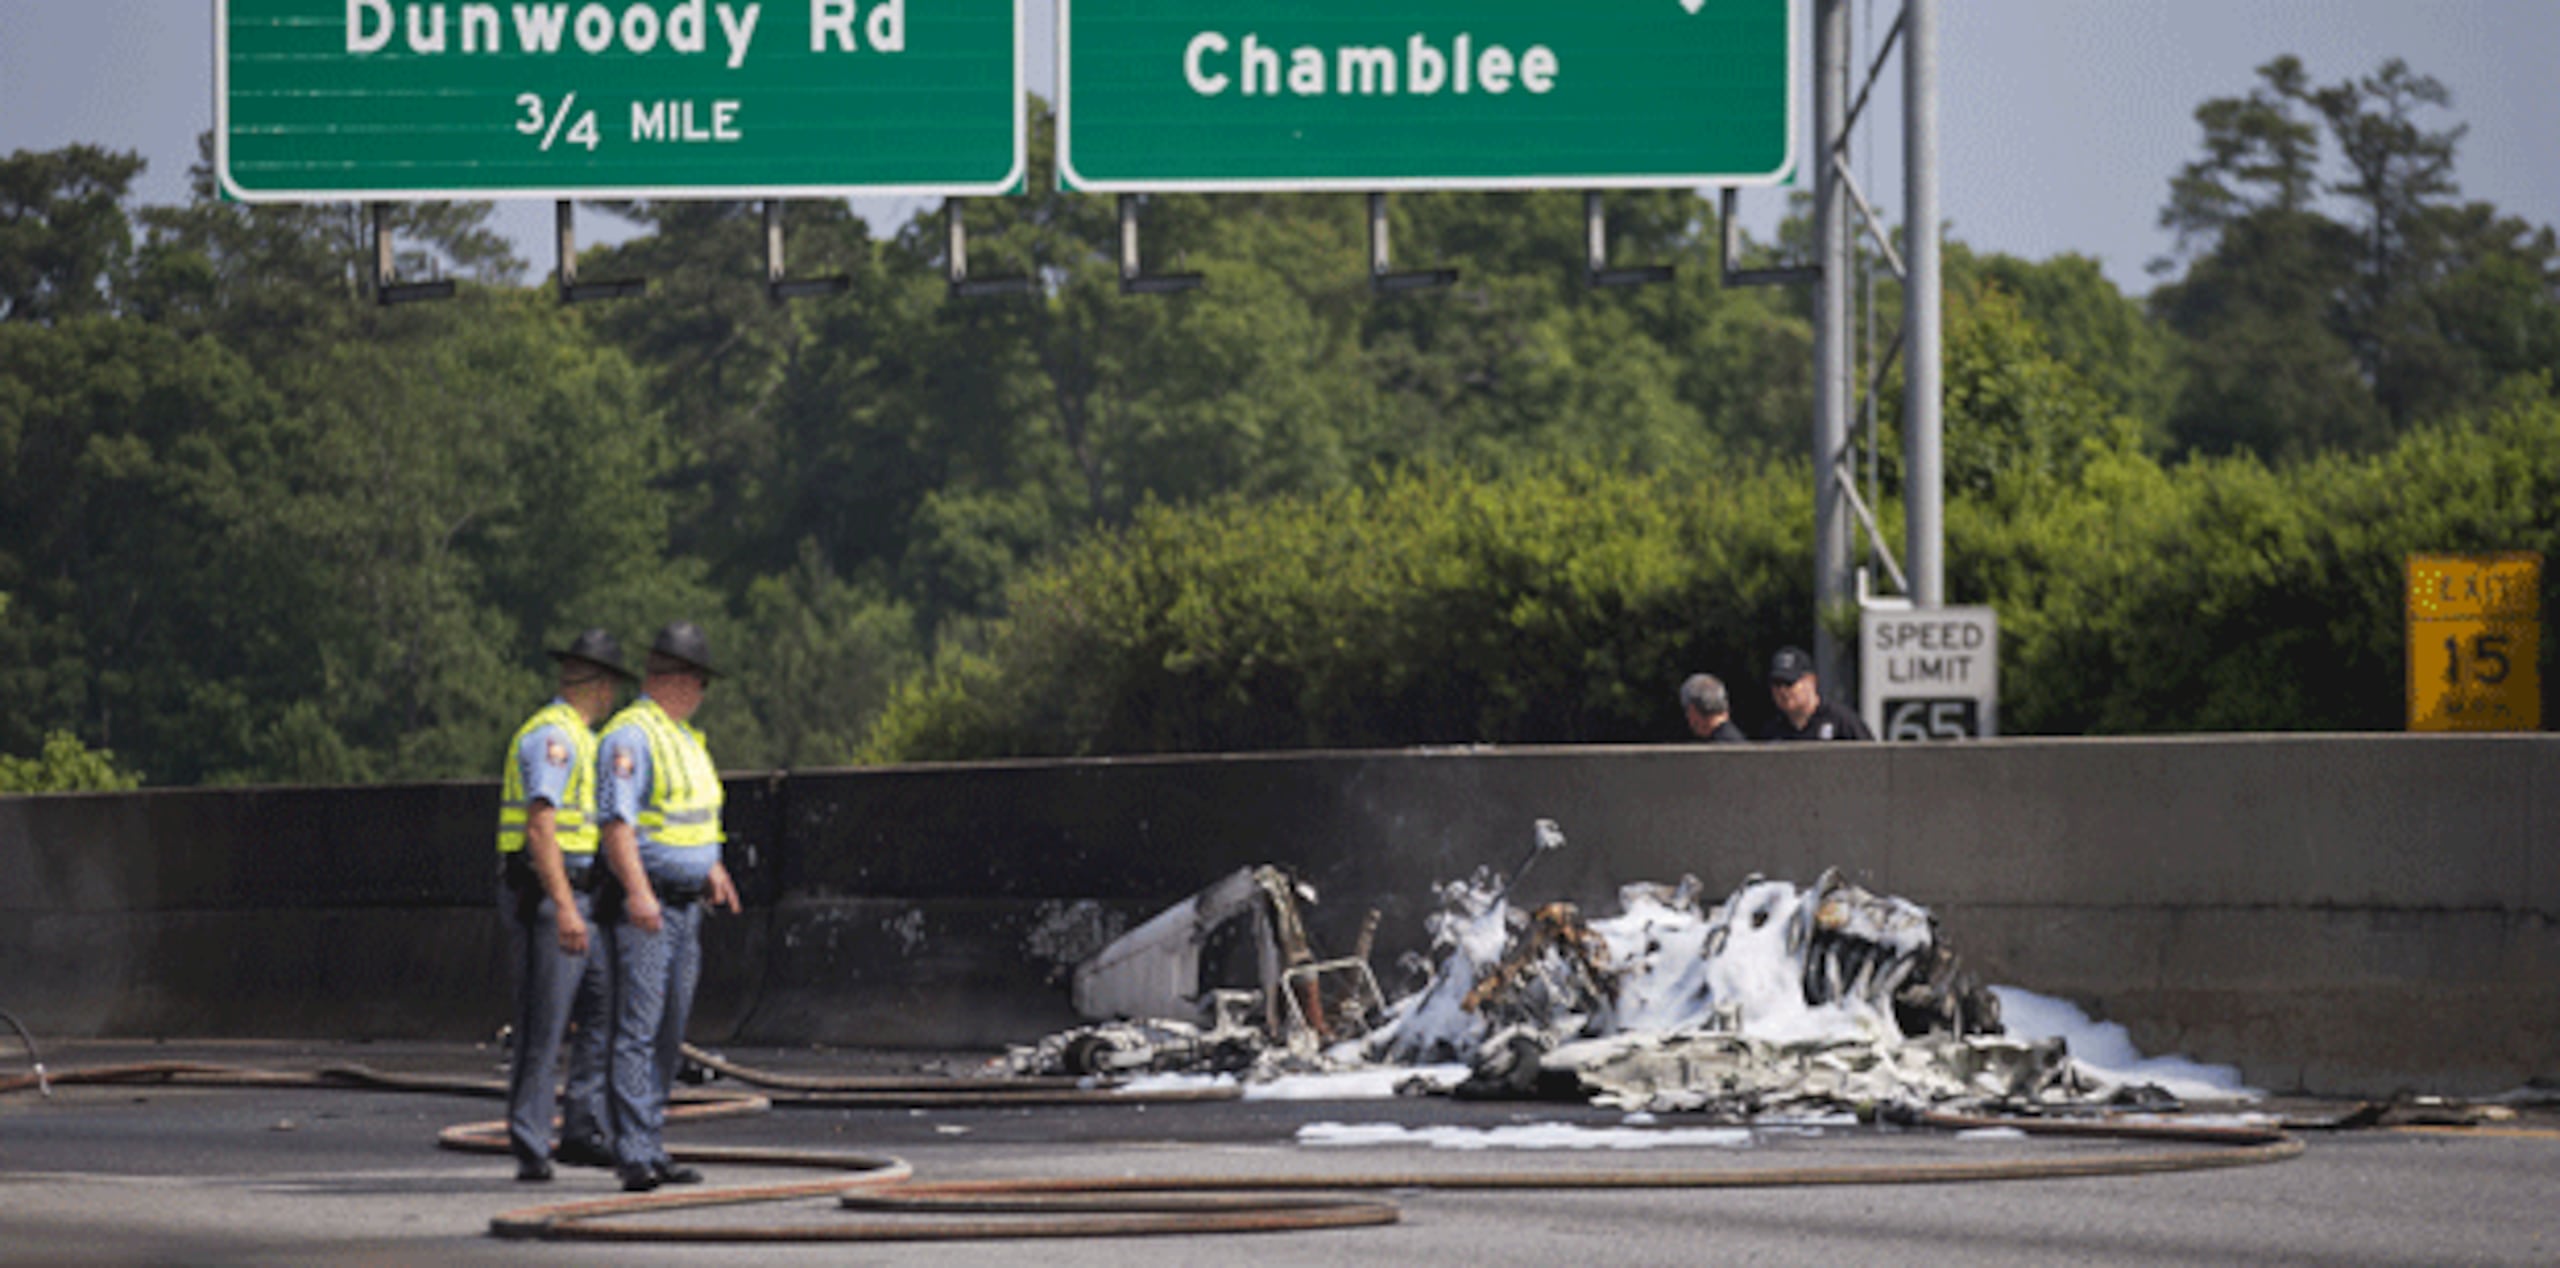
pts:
pixel 2061 121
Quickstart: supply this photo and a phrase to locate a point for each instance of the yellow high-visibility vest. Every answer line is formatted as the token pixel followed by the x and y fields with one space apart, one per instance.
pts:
pixel 573 820
pixel 683 810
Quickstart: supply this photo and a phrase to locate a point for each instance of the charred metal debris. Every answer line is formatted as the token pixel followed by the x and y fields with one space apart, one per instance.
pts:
pixel 1776 998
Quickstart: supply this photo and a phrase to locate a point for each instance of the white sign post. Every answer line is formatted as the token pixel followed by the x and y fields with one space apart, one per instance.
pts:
pixel 1930 675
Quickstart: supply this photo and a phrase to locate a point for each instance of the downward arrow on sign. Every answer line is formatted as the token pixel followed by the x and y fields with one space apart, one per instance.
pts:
pixel 1693 5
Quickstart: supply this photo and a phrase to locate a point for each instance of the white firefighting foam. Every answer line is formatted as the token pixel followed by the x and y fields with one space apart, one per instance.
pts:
pixel 2104 1051
pixel 1669 980
pixel 1737 968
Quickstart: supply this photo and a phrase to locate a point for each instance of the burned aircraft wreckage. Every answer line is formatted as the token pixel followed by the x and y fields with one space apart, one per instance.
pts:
pixel 1777 998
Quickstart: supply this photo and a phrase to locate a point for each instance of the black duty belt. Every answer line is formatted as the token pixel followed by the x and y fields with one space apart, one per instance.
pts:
pixel 518 873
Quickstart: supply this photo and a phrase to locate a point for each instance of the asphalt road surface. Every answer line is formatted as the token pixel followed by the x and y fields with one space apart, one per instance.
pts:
pixel 152 1175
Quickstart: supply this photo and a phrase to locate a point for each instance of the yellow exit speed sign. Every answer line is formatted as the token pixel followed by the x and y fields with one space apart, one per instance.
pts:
pixel 2475 642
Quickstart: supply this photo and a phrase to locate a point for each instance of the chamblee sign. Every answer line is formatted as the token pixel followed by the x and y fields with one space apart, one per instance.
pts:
pixel 1208 95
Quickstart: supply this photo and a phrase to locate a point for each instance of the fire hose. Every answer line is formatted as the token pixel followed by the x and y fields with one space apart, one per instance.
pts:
pixel 35 1060
pixel 890 1204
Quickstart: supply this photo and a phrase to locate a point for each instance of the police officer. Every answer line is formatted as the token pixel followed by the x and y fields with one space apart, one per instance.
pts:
pixel 659 803
pixel 546 857
pixel 1802 712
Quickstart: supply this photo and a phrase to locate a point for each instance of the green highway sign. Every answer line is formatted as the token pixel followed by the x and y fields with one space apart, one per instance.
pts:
pixel 397 99
pixel 1211 95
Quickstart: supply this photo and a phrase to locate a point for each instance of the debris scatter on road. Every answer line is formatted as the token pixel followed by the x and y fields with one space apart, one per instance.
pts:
pixel 1775 999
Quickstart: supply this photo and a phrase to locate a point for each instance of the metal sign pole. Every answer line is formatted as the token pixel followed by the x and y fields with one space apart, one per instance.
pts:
pixel 1135 280
pixel 1923 465
pixel 956 261
pixel 779 285
pixel 564 218
pixel 388 289
pixel 1595 249
pixel 573 291
pixel 1831 554
pixel 1383 278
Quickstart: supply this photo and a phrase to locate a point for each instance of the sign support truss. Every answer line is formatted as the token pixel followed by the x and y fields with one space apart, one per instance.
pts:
pixel 1917 344
pixel 1595 236
pixel 956 260
pixel 1383 279
pixel 388 289
pixel 1135 280
pixel 573 291
pixel 779 285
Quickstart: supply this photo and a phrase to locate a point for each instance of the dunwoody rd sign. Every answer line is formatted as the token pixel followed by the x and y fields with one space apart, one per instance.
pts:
pixel 319 100
pixel 1207 95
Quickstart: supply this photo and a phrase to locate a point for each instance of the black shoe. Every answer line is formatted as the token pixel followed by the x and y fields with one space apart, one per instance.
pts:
pixel 584 1153
pixel 533 1171
pixel 676 1173
pixel 639 1178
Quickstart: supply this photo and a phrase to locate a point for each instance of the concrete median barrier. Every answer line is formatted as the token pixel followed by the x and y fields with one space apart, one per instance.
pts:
pixel 2331 913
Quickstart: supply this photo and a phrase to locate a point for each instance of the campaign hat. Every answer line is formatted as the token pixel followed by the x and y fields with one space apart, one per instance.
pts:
pixel 596 647
pixel 685 643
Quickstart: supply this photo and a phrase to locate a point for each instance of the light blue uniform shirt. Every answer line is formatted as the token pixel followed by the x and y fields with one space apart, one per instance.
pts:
pixel 547 780
pixel 623 778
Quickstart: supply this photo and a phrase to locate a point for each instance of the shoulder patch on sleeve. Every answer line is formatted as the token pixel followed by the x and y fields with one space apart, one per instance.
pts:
pixel 622 763
pixel 556 753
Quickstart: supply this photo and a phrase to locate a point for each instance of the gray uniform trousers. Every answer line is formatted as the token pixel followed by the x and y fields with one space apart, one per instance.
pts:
pixel 654 976
pixel 553 989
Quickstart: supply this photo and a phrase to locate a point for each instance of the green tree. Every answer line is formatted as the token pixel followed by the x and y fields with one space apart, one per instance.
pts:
pixel 64 765
pixel 2495 296
pixel 458 490
pixel 2019 421
pixel 2307 331
pixel 2401 183
pixel 335 570
pixel 2266 369
pixel 1552 604
pixel 275 279
pixel 719 353
pixel 2260 157
pixel 2086 324
pixel 128 453
pixel 2224 594
pixel 63 231
pixel 824 655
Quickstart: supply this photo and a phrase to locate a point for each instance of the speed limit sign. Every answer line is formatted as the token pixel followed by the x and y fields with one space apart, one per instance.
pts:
pixel 1929 674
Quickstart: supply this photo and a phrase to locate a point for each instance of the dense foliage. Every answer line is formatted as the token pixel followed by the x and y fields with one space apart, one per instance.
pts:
pixel 64 765
pixel 1432 606
pixel 1440 607
pixel 255 528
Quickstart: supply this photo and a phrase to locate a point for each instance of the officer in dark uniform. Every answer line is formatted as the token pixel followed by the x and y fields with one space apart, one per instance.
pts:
pixel 658 800
pixel 1802 712
pixel 546 857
